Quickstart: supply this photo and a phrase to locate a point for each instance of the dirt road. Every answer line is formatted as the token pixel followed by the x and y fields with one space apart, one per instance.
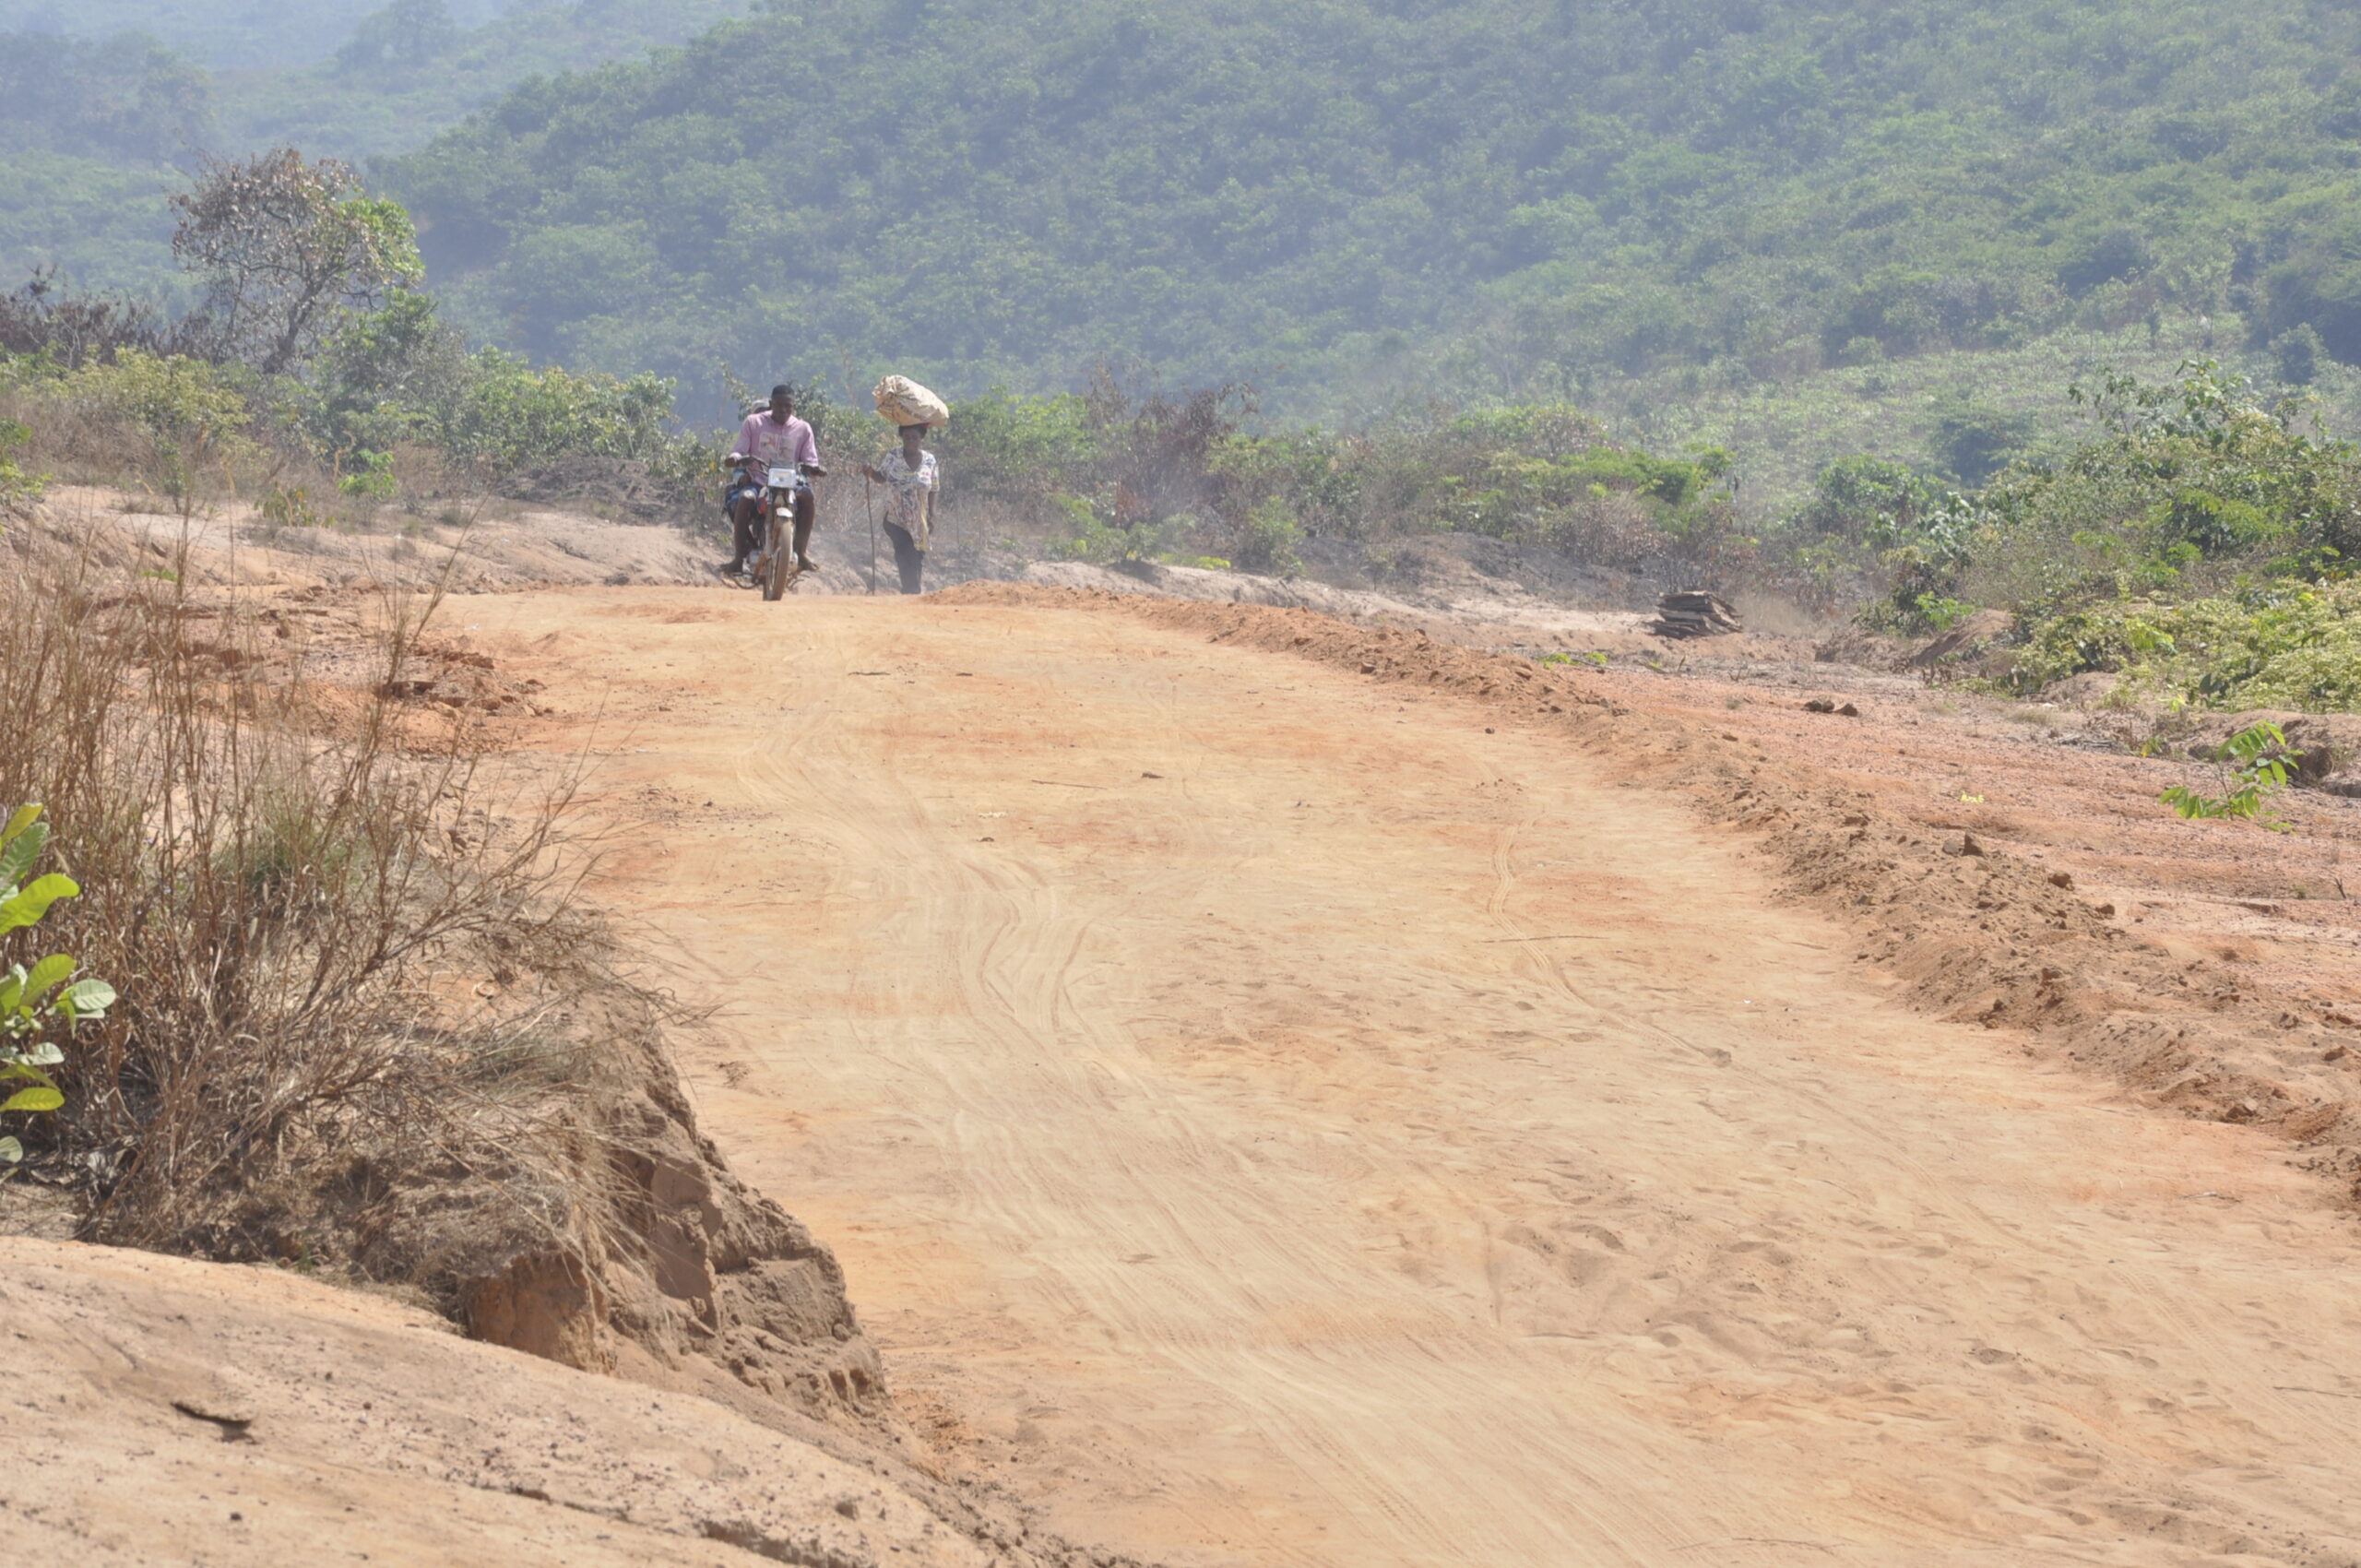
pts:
pixel 1271 1119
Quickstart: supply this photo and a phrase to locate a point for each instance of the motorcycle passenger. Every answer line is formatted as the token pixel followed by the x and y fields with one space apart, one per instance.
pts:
pixel 771 437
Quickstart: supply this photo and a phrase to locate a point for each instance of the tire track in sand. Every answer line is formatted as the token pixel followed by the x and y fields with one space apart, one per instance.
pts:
pixel 1202 1148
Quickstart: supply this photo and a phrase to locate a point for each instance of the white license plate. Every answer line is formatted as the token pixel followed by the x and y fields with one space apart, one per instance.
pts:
pixel 783 479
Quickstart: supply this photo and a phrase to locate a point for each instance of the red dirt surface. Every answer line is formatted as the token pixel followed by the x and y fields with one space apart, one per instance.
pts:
pixel 2213 968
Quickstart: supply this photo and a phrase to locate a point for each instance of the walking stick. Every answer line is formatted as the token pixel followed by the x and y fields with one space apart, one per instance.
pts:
pixel 870 512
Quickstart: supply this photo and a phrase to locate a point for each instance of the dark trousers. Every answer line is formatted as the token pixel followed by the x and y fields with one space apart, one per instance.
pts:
pixel 907 556
pixel 745 532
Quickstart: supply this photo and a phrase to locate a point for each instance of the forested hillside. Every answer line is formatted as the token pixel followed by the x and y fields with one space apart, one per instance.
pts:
pixel 221 34
pixel 1792 232
pixel 103 107
pixel 1493 197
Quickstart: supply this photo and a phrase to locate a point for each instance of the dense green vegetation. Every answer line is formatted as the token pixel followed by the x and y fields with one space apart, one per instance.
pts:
pixel 1199 478
pixel 96 124
pixel 220 34
pixel 309 372
pixel 340 84
pixel 1818 280
pixel 2197 540
pixel 405 71
pixel 1789 232
pixel 1497 198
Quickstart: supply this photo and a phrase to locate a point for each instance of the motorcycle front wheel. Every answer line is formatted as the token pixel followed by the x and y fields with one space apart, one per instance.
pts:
pixel 775 554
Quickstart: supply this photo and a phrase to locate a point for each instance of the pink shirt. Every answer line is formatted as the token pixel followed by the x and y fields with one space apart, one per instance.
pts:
pixel 775 443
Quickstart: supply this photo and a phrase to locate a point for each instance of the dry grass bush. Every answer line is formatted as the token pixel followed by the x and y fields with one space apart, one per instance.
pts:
pixel 362 1025
pixel 75 445
pixel 1613 530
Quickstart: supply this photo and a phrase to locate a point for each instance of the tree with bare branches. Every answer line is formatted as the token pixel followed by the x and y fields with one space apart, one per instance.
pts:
pixel 288 248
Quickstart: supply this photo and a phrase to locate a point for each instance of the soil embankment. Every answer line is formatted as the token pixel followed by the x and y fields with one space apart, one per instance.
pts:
pixel 1274 1115
pixel 169 1411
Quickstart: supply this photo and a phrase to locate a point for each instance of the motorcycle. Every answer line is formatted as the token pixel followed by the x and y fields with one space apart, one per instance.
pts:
pixel 774 566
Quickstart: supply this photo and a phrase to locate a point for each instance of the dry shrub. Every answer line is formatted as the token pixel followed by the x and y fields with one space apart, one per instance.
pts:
pixel 361 1024
pixel 41 317
pixel 364 1028
pixel 78 446
pixel 1613 530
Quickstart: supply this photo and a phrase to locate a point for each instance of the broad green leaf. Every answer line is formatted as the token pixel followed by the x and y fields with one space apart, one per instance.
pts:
pixel 89 998
pixel 20 854
pixel 28 907
pixel 49 974
pixel 19 820
pixel 33 1099
pixel 11 1151
pixel 12 988
pixel 43 1055
pixel 22 1067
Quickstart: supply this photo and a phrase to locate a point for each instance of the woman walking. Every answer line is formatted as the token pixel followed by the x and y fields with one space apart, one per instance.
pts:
pixel 910 477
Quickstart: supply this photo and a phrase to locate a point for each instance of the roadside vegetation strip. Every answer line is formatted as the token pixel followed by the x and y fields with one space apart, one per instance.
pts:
pixel 1977 935
pixel 364 1031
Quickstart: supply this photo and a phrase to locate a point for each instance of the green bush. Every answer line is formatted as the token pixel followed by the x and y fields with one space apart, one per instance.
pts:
pixel 367 474
pixel 18 489
pixel 2196 541
pixel 507 414
pixel 1014 447
pixel 1085 531
pixel 2280 644
pixel 191 409
pixel 1973 442
pixel 2253 763
pixel 197 419
pixel 34 1000
pixel 1266 541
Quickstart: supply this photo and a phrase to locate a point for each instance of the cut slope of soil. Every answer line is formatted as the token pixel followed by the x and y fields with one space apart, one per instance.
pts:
pixel 171 1411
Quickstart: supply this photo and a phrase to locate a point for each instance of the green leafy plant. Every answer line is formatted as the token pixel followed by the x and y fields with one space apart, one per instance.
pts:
pixel 18 488
pixel 1939 614
pixel 2254 766
pixel 193 416
pixel 1085 534
pixel 33 999
pixel 290 507
pixel 1266 541
pixel 368 474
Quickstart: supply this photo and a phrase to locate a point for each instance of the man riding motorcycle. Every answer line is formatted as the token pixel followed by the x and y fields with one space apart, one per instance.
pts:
pixel 771 437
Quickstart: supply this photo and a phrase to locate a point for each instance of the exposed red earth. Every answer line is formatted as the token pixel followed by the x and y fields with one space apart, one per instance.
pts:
pixel 1294 1089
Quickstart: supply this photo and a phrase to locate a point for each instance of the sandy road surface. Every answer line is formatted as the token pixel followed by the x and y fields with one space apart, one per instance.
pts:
pixel 1269 1123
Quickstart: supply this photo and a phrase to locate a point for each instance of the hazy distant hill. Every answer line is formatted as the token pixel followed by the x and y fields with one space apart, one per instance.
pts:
pixel 96 122
pixel 233 33
pixel 1518 194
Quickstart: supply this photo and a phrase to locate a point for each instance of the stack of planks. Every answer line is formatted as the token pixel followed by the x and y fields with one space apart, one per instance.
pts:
pixel 1693 613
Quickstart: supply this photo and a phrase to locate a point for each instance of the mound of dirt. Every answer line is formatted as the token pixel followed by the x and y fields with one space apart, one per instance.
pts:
pixel 173 1411
pixel 477 546
pixel 1971 640
pixel 1974 933
pixel 2326 746
pixel 1852 646
pixel 1517 617
pixel 696 1274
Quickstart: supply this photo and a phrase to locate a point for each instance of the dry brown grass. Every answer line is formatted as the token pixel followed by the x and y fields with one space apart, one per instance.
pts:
pixel 361 1024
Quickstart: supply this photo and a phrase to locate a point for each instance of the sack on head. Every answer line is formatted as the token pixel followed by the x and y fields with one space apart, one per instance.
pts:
pixel 905 402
